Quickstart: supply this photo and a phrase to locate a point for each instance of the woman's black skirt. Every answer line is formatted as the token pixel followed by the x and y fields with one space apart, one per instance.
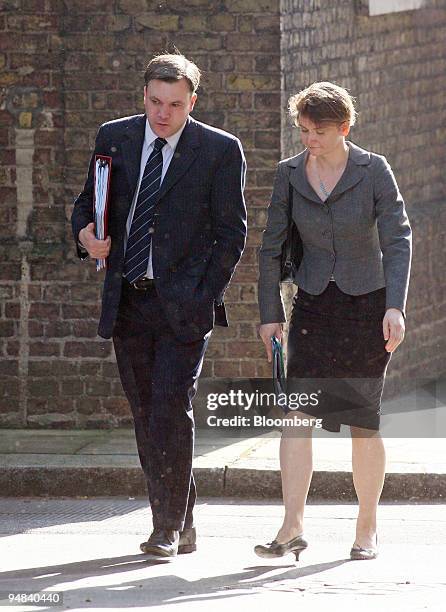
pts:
pixel 336 351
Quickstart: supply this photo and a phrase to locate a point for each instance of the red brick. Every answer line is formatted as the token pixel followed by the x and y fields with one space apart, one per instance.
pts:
pixel 87 349
pixel 58 329
pixel 248 369
pixel 9 367
pixel 254 350
pixel 72 386
pixel 109 369
pixel 263 369
pixel 10 387
pixel 208 369
pixel 43 387
pixel 36 329
pixel 31 43
pixel 12 310
pixel 86 406
pixel 7 158
pixel 80 311
pixel 6 118
pixel 44 349
pixel 116 406
pixel 41 310
pixel 90 368
pixel 249 331
pixel 97 387
pixel 116 389
pixel 12 348
pixel 227 369
pixel 10 271
pixel 85 292
pixel 85 329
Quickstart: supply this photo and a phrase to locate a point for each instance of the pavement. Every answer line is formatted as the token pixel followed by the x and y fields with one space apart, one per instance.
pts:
pixel 227 463
pixel 86 552
pixel 240 462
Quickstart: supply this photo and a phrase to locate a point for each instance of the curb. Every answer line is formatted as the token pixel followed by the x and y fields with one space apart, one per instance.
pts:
pixel 211 482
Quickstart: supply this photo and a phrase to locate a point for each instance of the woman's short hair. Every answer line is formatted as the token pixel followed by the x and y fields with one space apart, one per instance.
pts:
pixel 173 67
pixel 323 102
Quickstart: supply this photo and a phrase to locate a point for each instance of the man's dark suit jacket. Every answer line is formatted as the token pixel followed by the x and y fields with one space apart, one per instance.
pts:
pixel 200 221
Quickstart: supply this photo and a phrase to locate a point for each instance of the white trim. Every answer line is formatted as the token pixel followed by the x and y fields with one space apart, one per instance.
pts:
pixel 382 7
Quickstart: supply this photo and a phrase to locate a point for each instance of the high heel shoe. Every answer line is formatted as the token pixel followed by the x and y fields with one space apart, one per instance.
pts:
pixel 357 553
pixel 274 549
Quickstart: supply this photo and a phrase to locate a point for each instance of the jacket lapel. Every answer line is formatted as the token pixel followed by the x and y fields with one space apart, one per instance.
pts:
pixel 354 171
pixel 131 149
pixel 298 177
pixel 185 154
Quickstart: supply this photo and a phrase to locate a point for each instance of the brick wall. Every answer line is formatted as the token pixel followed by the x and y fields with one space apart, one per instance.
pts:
pixel 395 66
pixel 68 66
pixel 32 212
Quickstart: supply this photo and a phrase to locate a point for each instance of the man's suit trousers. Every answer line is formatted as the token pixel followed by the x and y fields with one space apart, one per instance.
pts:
pixel 159 375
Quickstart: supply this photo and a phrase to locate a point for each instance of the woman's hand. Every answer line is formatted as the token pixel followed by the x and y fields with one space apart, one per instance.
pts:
pixel 393 328
pixel 266 332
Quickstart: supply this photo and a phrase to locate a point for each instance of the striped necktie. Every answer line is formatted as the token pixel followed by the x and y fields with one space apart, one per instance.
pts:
pixel 138 243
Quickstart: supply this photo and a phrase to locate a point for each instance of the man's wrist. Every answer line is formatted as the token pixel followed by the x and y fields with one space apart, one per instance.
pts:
pixel 80 244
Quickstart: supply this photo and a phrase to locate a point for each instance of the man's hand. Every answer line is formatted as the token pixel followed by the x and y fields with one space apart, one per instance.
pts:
pixel 393 328
pixel 98 249
pixel 266 332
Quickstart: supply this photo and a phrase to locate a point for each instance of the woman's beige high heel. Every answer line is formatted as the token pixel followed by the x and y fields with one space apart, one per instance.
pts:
pixel 274 549
pixel 364 554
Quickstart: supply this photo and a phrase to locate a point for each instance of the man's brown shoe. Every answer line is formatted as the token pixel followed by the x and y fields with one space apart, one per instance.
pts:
pixel 162 543
pixel 188 541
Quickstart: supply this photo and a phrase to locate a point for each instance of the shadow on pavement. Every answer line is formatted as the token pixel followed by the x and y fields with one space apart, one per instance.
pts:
pixel 159 590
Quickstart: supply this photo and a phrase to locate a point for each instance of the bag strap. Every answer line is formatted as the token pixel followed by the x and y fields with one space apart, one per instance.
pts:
pixel 288 245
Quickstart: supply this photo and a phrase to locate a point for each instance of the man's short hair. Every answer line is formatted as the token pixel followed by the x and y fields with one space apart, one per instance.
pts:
pixel 173 67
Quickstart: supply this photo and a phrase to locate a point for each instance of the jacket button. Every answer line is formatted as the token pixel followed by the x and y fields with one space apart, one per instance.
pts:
pixel 151 230
pixel 326 233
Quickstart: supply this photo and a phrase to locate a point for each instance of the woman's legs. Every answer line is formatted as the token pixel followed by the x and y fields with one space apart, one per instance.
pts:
pixel 296 465
pixel 369 465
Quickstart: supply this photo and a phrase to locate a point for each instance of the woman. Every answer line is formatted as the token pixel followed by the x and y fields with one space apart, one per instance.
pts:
pixel 349 313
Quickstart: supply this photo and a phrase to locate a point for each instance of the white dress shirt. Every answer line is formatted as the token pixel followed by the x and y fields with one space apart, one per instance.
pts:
pixel 167 151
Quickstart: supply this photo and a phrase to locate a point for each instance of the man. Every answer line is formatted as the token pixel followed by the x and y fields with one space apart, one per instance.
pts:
pixel 177 228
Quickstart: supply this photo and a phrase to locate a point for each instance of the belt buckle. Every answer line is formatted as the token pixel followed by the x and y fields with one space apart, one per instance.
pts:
pixel 136 285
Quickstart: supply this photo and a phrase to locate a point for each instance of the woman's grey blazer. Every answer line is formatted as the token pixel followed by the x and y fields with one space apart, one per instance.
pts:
pixel 360 234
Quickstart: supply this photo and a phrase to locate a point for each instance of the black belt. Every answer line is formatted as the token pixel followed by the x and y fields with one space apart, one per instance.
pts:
pixel 142 284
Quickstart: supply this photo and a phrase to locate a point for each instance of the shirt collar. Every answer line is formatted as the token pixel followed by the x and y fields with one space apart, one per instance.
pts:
pixel 172 141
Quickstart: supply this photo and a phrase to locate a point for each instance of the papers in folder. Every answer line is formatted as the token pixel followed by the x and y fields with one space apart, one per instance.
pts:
pixel 102 173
